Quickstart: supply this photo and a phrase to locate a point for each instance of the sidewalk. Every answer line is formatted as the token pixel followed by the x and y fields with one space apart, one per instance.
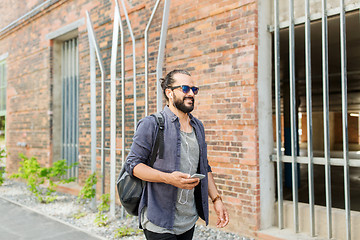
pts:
pixel 18 222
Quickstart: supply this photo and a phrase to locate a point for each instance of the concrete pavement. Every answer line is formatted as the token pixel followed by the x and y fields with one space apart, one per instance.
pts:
pixel 20 223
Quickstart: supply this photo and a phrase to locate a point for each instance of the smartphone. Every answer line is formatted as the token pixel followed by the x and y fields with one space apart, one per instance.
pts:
pixel 197 175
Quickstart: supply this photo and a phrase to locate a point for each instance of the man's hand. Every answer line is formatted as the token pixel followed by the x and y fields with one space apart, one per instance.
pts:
pixel 181 180
pixel 223 216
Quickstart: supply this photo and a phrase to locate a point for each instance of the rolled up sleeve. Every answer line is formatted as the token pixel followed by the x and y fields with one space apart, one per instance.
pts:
pixel 142 145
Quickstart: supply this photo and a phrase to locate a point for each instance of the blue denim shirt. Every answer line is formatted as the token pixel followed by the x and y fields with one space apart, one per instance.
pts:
pixel 160 197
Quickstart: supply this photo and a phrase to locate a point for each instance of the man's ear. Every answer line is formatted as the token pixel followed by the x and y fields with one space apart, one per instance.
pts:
pixel 169 93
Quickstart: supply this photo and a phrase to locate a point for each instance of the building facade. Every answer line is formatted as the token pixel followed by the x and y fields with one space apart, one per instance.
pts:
pixel 228 46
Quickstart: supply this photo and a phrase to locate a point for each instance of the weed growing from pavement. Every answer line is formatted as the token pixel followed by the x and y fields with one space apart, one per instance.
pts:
pixel 88 191
pixel 126 231
pixel 35 175
pixel 101 219
pixel 79 215
pixel 2 170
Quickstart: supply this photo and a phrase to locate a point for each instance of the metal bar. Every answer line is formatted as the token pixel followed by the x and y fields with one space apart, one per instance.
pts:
pixel 134 59
pixel 66 99
pixel 326 116
pixel 117 149
pixel 344 119
pixel 77 108
pixel 92 38
pixel 161 53
pixel 309 118
pixel 278 114
pixel 113 107
pixel 70 103
pixel 94 49
pixel 70 100
pixel 293 114
pixel 73 116
pixel 93 114
pixel 146 58
pixel 118 16
pixel 103 166
pixel 62 100
pixel 318 160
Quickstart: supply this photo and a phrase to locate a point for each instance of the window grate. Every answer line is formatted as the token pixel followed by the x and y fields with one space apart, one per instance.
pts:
pixel 70 102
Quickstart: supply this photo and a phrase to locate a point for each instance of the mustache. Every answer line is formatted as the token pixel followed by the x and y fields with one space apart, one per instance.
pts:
pixel 190 98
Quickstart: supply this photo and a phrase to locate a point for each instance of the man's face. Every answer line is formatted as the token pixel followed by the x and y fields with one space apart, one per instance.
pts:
pixel 183 101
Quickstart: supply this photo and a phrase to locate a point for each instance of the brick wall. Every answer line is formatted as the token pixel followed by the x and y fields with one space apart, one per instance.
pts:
pixel 215 40
pixel 12 10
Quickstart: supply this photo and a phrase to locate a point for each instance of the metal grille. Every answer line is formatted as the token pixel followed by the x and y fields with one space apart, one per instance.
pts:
pixel 70 102
pixel 96 55
pixel 310 160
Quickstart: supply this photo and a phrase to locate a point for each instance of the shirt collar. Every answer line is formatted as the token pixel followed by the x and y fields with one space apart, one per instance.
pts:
pixel 172 115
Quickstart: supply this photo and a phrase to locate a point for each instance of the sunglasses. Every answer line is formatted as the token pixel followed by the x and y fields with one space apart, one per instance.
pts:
pixel 186 89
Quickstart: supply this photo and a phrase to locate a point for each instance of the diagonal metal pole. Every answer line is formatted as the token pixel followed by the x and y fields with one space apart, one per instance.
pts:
pixel 160 60
pixel 95 50
pixel 134 59
pixel 146 58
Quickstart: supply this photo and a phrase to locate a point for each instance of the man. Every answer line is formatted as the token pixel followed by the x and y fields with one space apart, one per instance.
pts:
pixel 172 201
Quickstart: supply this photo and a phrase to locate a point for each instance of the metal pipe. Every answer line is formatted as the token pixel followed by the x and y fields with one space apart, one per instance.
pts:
pixel 160 60
pixel 344 119
pixel 146 58
pixel 63 102
pixel 70 76
pixel 73 125
pixel 134 60
pixel 93 114
pixel 113 111
pixel 66 126
pixel 309 118
pixel 77 109
pixel 94 49
pixel 119 21
pixel 318 160
pixel 278 114
pixel 326 116
pixel 293 114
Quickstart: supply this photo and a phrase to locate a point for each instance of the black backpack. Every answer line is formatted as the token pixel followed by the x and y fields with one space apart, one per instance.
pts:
pixel 130 188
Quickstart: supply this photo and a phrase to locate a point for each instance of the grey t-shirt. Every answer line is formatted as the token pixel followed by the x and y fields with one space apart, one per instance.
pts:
pixel 185 209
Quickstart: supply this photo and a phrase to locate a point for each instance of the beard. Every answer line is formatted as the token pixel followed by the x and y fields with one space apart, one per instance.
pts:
pixel 180 104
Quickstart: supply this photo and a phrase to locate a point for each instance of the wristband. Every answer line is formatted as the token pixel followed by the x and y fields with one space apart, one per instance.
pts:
pixel 217 198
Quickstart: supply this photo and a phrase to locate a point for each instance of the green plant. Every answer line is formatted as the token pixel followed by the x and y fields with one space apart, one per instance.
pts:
pixel 79 215
pixel 101 219
pixel 88 191
pixel 2 169
pixel 35 175
pixel 126 231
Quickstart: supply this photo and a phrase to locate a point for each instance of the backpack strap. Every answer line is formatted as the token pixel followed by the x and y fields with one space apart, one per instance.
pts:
pixel 159 142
